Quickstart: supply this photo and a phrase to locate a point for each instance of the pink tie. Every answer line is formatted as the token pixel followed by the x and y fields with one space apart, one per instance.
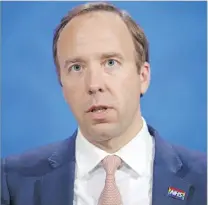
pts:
pixel 110 194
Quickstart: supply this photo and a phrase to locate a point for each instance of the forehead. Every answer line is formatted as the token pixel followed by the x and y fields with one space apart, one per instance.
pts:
pixel 92 33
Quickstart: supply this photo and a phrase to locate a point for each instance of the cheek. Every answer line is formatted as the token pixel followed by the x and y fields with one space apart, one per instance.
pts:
pixel 131 94
pixel 72 96
pixel 125 86
pixel 130 84
pixel 126 93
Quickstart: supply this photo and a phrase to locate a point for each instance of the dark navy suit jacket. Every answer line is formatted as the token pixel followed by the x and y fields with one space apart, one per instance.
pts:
pixel 46 176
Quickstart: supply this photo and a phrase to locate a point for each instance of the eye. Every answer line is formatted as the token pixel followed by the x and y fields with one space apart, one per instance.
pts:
pixel 76 67
pixel 111 63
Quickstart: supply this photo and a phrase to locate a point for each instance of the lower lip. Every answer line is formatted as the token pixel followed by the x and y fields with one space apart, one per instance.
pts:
pixel 99 115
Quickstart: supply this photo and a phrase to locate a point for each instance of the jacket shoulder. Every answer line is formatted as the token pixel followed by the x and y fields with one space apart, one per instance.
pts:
pixel 195 172
pixel 35 160
pixel 195 161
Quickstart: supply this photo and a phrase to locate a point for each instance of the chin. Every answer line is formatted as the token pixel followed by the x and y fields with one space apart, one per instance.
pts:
pixel 104 131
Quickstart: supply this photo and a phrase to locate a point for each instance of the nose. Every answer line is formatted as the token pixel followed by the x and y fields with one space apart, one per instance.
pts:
pixel 95 82
pixel 94 90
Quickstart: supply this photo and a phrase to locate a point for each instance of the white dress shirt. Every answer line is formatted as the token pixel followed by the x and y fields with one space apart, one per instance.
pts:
pixel 134 178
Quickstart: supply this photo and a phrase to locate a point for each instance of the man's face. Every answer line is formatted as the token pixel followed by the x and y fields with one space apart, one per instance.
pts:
pixel 98 72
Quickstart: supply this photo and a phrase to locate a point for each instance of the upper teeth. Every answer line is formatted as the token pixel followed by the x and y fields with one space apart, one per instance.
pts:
pixel 98 109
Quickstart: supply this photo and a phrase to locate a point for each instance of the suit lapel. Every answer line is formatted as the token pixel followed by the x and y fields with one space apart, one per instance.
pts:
pixel 57 187
pixel 168 175
pixel 162 181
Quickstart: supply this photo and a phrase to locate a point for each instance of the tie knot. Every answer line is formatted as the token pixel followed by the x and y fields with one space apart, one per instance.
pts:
pixel 111 163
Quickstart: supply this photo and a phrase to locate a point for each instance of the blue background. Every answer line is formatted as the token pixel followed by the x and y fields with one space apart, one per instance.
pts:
pixel 34 112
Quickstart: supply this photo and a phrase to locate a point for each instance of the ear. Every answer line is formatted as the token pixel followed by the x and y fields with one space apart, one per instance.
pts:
pixel 144 77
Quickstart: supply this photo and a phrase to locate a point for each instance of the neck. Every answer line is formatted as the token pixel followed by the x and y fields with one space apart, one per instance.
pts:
pixel 114 144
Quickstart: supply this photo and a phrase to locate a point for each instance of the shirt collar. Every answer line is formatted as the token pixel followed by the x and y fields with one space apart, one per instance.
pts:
pixel 88 156
pixel 137 154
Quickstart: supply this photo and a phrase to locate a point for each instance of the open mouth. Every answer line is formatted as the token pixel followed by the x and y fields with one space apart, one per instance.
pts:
pixel 98 109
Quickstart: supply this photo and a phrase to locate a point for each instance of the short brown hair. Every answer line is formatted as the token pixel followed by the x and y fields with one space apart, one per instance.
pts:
pixel 139 38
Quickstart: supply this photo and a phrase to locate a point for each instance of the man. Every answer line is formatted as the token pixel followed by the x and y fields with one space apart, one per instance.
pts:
pixel 114 157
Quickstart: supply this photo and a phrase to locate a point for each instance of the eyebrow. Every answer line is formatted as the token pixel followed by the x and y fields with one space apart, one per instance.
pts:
pixel 72 60
pixel 102 56
pixel 112 55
